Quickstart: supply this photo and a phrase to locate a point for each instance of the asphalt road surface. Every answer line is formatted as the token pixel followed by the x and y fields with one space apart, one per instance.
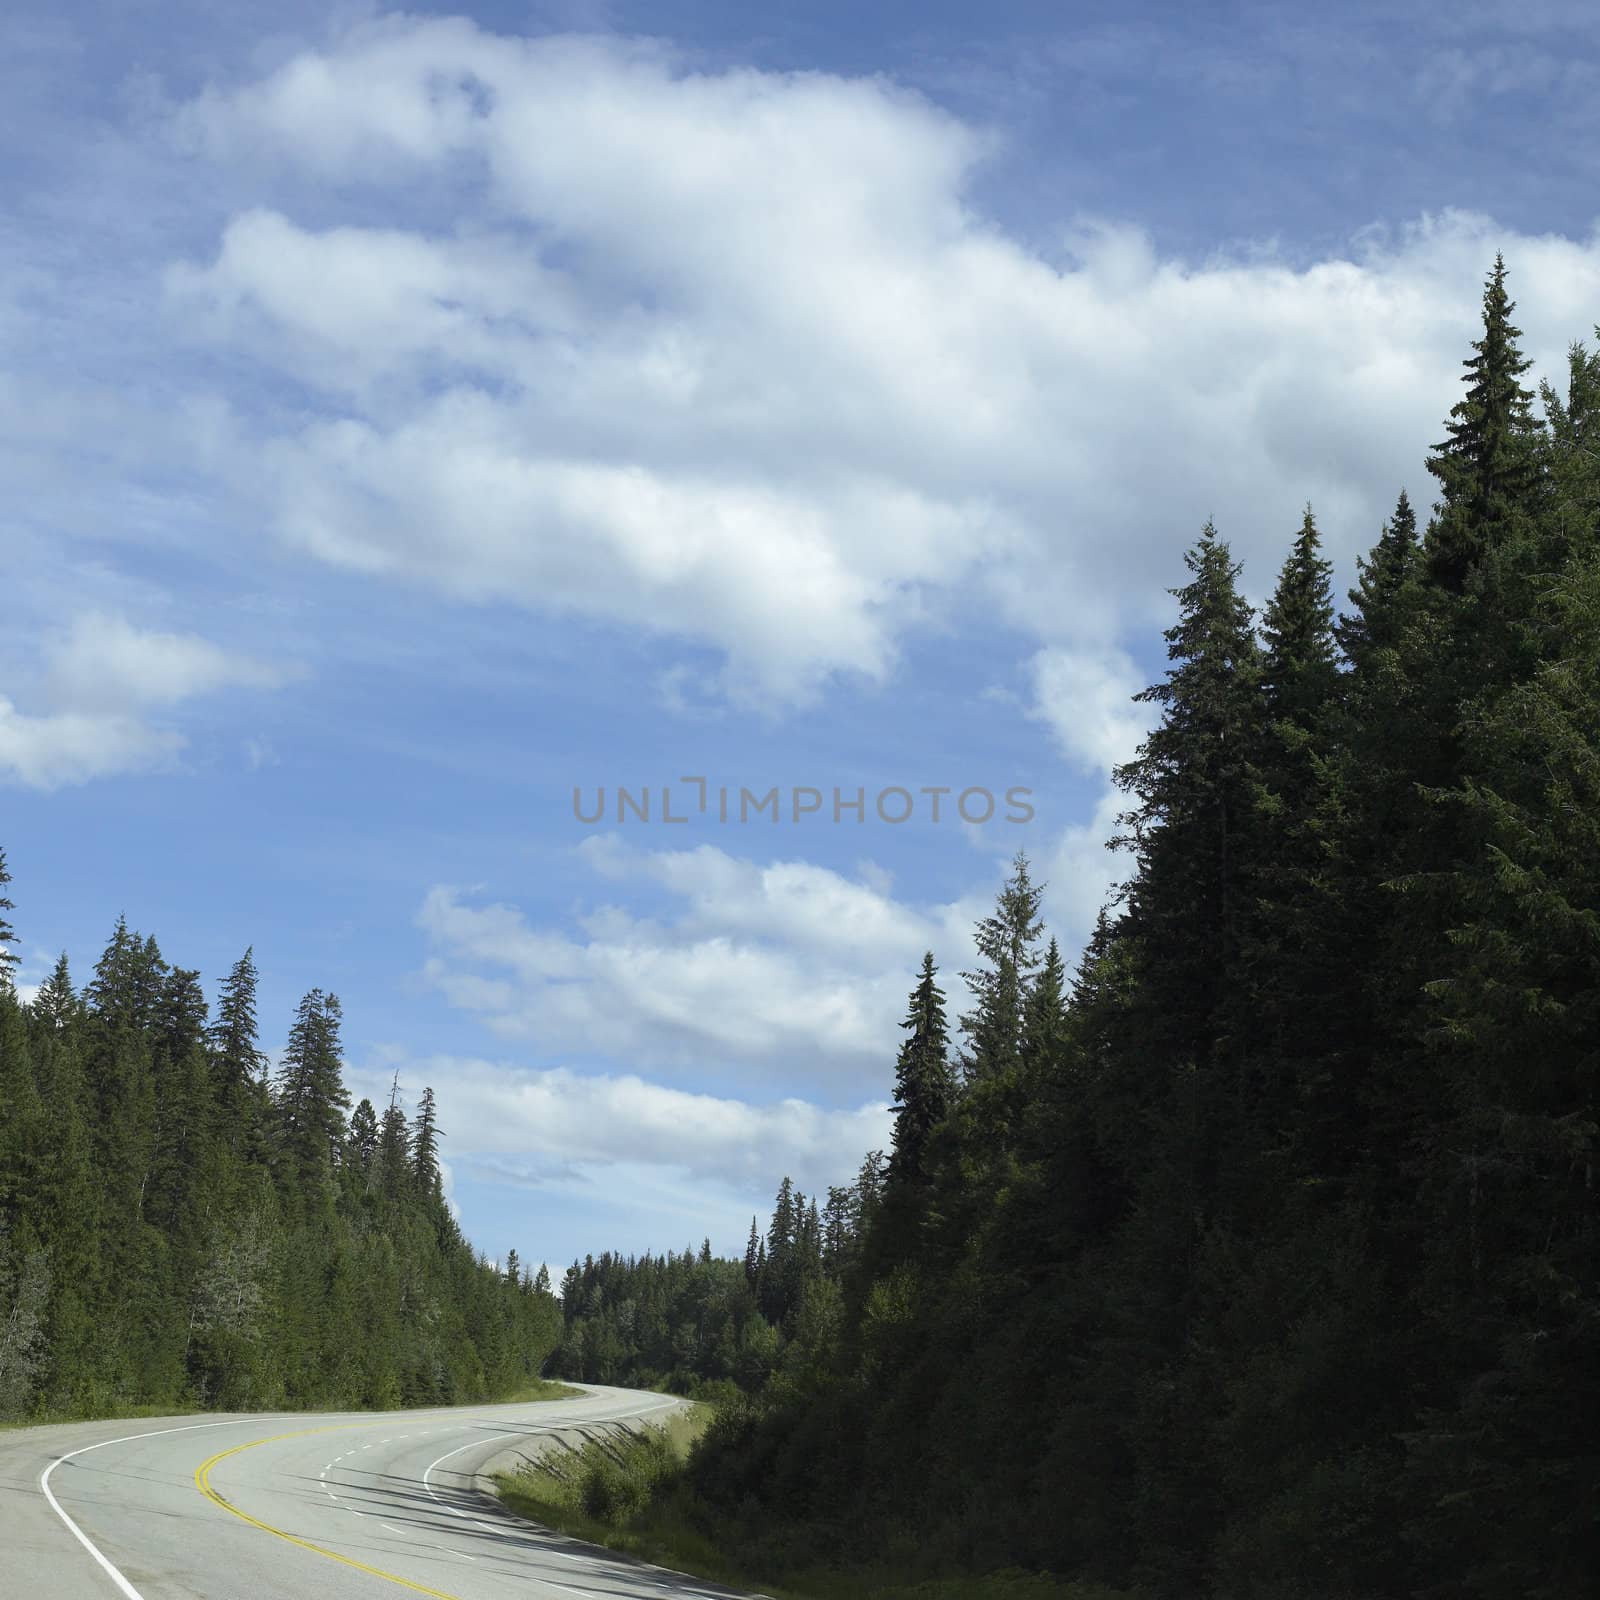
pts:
pixel 305 1506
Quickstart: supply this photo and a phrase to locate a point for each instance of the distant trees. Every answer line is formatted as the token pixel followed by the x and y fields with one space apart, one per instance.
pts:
pixel 697 1323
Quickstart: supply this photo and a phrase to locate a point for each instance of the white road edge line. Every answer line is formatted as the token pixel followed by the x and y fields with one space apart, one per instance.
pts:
pixel 110 1571
pixel 128 1590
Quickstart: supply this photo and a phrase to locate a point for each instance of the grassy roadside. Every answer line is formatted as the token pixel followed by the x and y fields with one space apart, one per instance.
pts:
pixel 538 1389
pixel 630 1495
pixel 114 1414
pixel 525 1394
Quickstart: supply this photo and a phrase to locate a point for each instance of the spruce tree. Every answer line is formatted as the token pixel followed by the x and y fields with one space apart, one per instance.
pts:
pixel 363 1150
pixel 1287 872
pixel 1007 946
pixel 394 1146
pixel 1573 428
pixel 55 1002
pixel 1194 788
pixel 1488 466
pixel 8 938
pixel 425 1146
pixel 1297 665
pixel 309 1094
pixel 236 1056
pixel 750 1253
pixel 923 1086
pixel 1384 577
pixel 1044 1017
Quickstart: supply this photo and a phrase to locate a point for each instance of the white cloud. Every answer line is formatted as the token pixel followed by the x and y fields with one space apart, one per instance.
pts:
pixel 542 1128
pixel 1087 702
pixel 105 664
pixel 735 357
pixel 786 966
pixel 70 747
pixel 102 676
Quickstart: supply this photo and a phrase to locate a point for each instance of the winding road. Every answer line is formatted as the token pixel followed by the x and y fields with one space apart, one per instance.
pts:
pixel 306 1506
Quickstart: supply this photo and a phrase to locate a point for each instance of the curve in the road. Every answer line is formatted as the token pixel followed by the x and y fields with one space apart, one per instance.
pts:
pixel 77 1532
pixel 396 1510
pixel 202 1481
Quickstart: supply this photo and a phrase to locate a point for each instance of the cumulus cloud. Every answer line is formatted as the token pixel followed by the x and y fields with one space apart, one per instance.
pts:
pixel 101 678
pixel 736 356
pixel 779 966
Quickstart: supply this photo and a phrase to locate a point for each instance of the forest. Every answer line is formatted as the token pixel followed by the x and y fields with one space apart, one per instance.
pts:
pixel 1258 1254
pixel 1255 1253
pixel 180 1229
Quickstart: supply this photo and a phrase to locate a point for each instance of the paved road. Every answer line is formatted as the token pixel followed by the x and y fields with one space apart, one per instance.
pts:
pixel 320 1506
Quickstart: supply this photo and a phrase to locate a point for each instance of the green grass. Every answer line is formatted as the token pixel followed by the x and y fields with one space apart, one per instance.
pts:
pixel 111 1414
pixel 536 1389
pixel 539 1389
pixel 630 1495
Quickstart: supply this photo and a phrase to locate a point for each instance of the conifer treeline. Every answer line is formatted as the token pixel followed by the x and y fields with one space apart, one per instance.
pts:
pixel 698 1324
pixel 176 1228
pixel 1261 1256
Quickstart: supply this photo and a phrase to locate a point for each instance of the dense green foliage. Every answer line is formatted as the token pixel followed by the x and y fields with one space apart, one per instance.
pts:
pixel 1262 1258
pixel 633 1492
pixel 177 1230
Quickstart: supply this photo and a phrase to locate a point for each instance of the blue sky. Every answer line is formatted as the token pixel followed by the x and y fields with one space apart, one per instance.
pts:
pixel 410 417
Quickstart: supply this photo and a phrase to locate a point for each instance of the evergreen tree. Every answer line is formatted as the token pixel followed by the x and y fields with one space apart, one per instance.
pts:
pixel 1573 429
pixel 394 1146
pixel 1044 1019
pixel 750 1254
pixel 236 1056
pixel 55 1002
pixel 1297 667
pixel 8 938
pixel 1384 576
pixel 309 1094
pixel 1006 941
pixel 923 1086
pixel 1195 791
pixel 425 1146
pixel 1488 466
pixel 363 1148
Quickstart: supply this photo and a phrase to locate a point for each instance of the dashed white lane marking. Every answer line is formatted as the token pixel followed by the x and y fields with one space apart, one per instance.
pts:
pixel 406 1535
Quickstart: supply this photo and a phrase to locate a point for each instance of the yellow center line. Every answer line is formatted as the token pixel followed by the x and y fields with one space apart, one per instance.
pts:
pixel 202 1481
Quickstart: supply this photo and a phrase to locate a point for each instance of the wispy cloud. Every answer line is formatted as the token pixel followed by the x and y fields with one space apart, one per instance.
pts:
pixel 514 1125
